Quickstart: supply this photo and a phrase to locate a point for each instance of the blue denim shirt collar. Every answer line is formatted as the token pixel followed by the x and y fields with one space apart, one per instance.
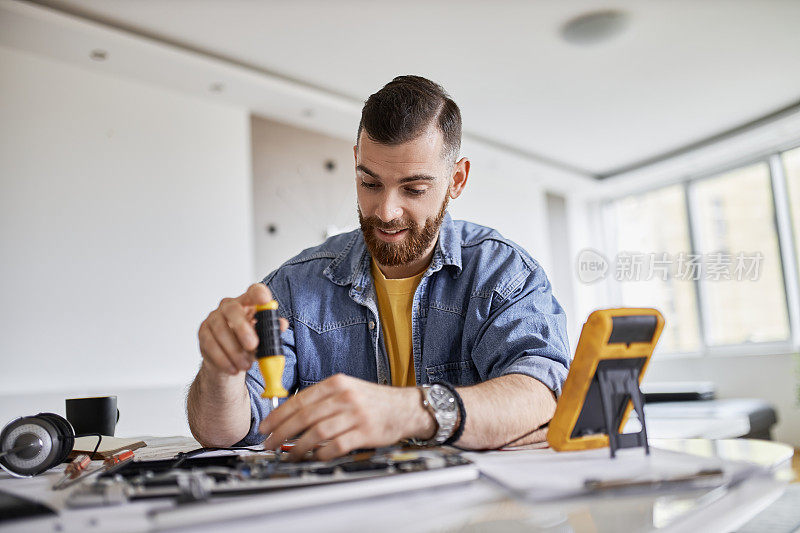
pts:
pixel 352 265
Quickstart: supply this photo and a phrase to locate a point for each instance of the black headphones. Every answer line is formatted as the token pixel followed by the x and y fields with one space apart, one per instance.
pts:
pixel 31 445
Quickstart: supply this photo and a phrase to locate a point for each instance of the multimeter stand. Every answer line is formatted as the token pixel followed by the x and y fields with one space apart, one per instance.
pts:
pixel 615 386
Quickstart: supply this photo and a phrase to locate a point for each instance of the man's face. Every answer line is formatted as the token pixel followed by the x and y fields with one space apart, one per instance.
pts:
pixel 402 196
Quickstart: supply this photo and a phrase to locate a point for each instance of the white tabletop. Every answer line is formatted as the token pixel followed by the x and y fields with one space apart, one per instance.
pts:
pixel 522 490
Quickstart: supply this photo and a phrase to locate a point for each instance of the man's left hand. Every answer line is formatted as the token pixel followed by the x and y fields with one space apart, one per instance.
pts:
pixel 343 413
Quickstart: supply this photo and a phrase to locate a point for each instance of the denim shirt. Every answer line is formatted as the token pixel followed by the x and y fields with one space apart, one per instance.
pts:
pixel 483 309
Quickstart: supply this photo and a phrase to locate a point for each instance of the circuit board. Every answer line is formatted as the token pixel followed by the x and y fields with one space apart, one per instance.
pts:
pixel 199 478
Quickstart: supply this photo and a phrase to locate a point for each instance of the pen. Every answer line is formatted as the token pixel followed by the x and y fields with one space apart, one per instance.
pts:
pixel 599 485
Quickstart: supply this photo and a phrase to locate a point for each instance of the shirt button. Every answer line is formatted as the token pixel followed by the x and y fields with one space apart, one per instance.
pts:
pixel 371 324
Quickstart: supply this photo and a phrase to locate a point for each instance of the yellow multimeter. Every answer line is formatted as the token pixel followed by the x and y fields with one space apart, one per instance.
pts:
pixel 603 381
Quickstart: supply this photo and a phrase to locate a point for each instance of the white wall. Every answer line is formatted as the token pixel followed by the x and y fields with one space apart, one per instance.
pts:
pixel 125 215
pixel 293 190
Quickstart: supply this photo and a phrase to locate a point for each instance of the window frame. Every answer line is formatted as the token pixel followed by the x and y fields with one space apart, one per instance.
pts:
pixel 787 241
pixel 787 253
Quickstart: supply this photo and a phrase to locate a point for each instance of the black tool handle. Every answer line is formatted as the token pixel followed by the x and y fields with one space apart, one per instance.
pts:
pixel 268 329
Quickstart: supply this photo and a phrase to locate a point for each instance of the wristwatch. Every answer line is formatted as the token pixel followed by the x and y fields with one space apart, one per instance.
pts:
pixel 441 403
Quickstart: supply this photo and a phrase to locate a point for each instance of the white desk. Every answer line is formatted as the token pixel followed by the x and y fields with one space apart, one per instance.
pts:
pixel 719 419
pixel 483 505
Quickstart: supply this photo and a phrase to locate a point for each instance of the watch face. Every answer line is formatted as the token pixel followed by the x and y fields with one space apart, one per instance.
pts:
pixel 442 399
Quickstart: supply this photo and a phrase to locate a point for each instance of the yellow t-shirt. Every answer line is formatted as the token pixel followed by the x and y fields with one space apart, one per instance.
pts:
pixel 395 297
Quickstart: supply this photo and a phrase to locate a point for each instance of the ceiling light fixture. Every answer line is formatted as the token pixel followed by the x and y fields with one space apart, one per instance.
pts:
pixel 98 55
pixel 594 27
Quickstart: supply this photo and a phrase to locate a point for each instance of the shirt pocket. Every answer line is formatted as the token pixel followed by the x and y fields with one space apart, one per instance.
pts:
pixel 458 373
pixel 325 348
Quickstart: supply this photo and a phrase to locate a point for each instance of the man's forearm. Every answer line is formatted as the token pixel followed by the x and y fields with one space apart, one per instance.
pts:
pixel 218 408
pixel 505 411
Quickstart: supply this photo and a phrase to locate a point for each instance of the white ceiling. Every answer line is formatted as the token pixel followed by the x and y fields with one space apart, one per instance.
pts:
pixel 683 70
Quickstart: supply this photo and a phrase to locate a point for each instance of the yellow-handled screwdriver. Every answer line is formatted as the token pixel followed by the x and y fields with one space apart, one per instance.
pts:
pixel 268 353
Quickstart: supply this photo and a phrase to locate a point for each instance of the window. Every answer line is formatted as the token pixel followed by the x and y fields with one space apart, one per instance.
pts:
pixel 711 254
pixel 742 291
pixel 651 234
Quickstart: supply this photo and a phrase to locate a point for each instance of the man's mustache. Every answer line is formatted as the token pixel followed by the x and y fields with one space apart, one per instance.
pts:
pixel 375 222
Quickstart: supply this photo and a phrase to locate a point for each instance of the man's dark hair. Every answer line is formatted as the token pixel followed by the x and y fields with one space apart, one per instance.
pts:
pixel 404 108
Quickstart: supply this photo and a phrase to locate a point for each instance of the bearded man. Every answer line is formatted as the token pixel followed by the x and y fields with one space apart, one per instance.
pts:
pixel 413 327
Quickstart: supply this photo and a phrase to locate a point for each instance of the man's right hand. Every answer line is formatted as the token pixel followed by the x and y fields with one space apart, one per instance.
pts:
pixel 227 337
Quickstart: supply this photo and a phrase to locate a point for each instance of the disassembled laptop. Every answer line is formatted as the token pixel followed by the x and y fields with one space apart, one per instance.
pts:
pixel 192 479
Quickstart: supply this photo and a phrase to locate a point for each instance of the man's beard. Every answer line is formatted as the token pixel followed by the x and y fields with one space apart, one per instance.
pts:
pixel 409 249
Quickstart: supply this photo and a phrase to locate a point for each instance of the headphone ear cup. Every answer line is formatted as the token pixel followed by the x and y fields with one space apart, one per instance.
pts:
pixel 57 438
pixel 65 437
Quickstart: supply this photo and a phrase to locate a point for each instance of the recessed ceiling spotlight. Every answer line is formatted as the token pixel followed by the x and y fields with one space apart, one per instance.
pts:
pixel 98 55
pixel 595 27
pixel 216 87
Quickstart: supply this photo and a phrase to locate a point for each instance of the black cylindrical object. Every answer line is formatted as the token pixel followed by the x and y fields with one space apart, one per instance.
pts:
pixel 268 329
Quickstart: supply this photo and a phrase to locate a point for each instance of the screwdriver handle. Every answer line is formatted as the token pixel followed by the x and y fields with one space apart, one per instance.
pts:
pixel 272 370
pixel 73 470
pixel 108 464
pixel 117 458
pixel 77 466
pixel 271 361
